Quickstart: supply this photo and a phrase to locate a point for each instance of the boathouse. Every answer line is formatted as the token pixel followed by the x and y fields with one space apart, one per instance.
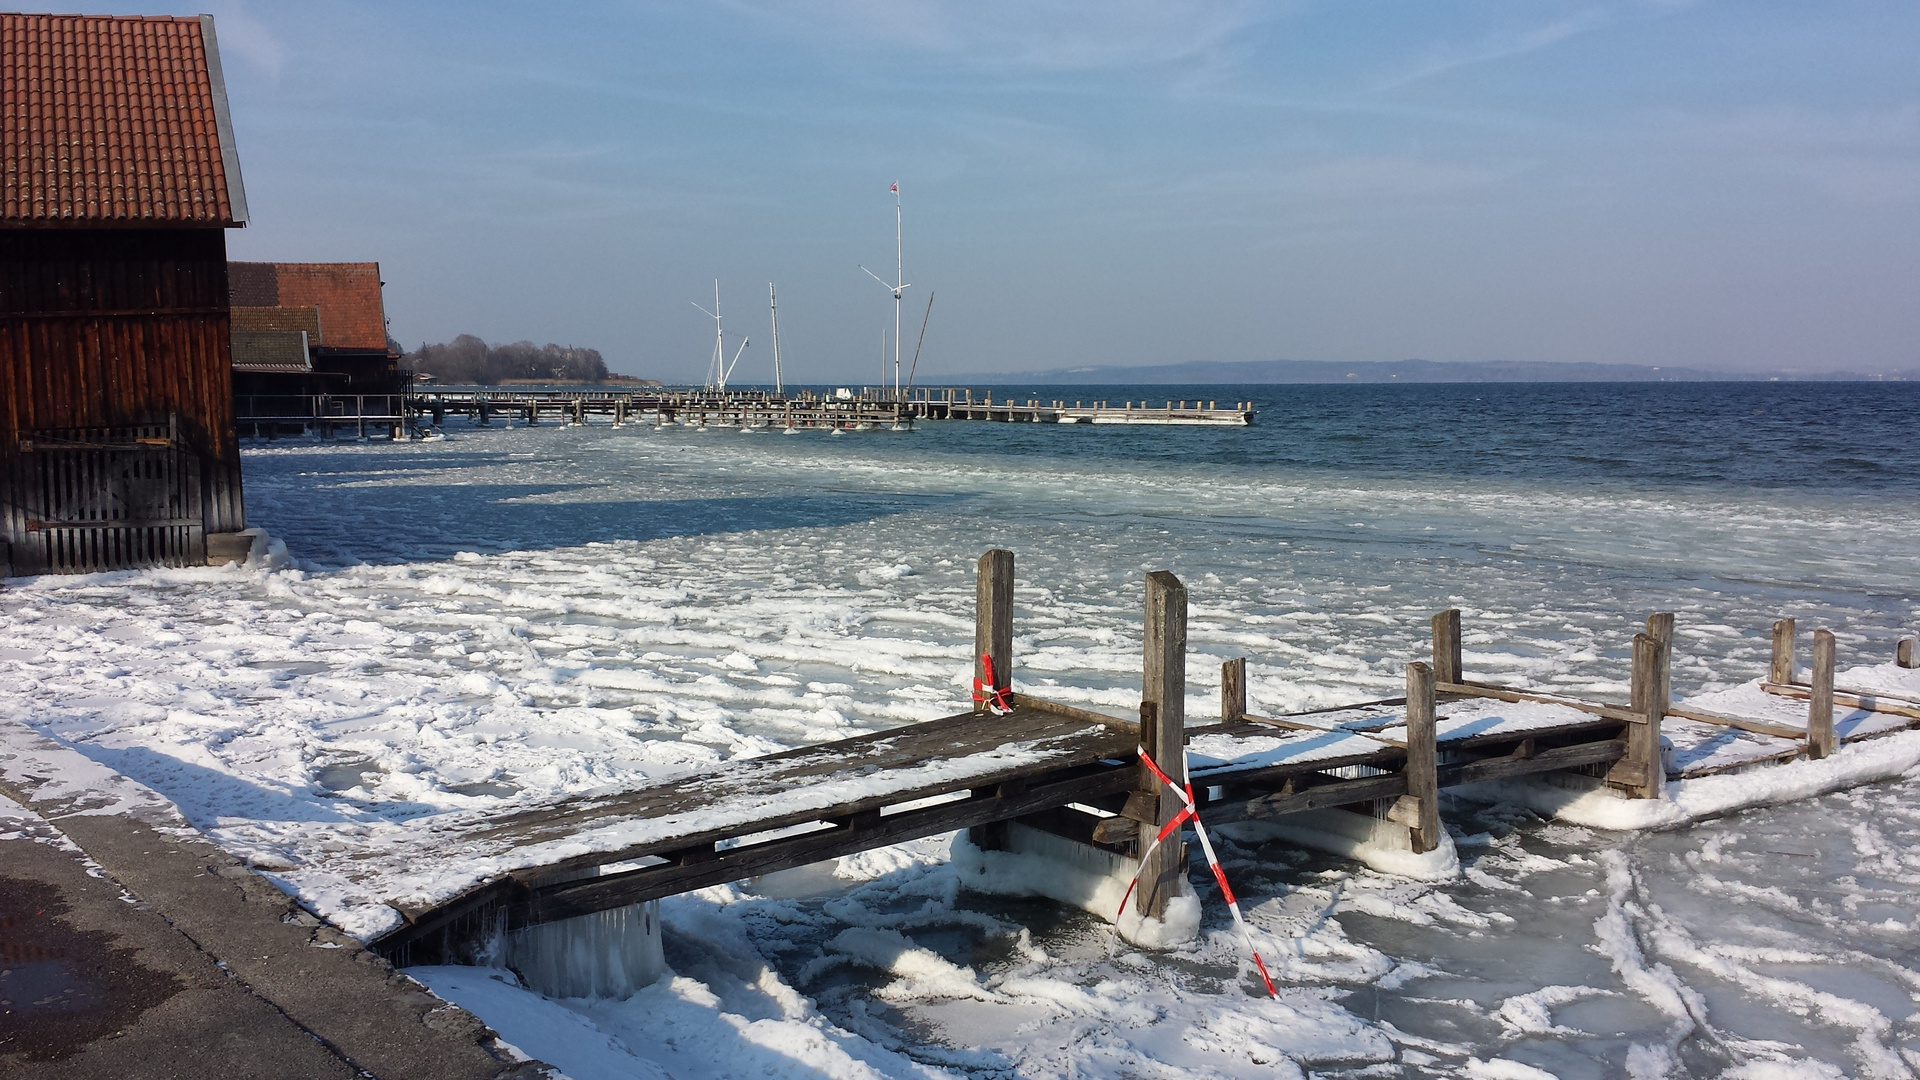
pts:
pixel 310 341
pixel 117 446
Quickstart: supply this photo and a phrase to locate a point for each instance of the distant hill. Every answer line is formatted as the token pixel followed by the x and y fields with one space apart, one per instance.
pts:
pixel 1391 371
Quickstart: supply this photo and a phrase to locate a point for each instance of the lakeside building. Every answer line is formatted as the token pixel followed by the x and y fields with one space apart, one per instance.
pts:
pixel 117 445
pixel 308 339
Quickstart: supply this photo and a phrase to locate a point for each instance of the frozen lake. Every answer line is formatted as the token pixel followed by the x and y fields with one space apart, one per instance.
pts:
pixel 519 613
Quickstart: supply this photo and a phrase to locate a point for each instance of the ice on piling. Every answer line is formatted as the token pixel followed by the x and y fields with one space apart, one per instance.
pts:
pixel 1087 877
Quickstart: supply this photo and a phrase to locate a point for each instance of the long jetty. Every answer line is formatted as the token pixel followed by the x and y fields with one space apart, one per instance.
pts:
pixel 864 409
pixel 1017 763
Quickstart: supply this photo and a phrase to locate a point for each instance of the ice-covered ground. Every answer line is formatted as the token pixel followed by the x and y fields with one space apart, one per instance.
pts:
pixel 510 615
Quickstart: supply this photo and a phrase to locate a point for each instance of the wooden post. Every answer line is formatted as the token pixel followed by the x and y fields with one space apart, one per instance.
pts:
pixel 1164 686
pixel 1423 761
pixel 1820 738
pixel 1782 670
pixel 1446 646
pixel 1641 771
pixel 1660 629
pixel 1233 690
pixel 1903 654
pixel 993 622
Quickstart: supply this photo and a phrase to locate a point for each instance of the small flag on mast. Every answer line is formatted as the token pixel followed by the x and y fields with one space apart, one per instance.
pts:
pixel 895 188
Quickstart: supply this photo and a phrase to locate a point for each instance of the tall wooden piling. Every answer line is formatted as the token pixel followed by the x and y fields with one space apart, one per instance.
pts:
pixel 1233 690
pixel 992 642
pixel 1641 772
pixel 1820 737
pixel 1782 669
pixel 993 624
pixel 1446 647
pixel 1163 731
pixel 1660 629
pixel 1423 775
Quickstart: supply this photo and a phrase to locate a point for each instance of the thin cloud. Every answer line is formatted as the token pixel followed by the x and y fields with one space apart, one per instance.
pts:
pixel 1501 47
pixel 1080 36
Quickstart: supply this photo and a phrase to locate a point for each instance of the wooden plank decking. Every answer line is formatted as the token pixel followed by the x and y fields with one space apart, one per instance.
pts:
pixel 779 811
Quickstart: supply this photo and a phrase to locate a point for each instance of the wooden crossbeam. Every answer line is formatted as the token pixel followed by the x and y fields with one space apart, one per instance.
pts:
pixel 1758 727
pixel 1502 693
pixel 1868 701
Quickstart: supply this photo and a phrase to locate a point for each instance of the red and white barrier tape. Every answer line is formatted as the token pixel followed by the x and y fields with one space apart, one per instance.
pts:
pixel 1191 812
pixel 997 702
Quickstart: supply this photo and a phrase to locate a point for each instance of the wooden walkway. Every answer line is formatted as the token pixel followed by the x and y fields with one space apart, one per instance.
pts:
pixel 949 403
pixel 867 409
pixel 1076 774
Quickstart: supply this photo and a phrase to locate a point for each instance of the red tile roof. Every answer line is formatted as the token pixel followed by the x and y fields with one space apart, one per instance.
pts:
pixel 109 120
pixel 352 317
pixel 294 319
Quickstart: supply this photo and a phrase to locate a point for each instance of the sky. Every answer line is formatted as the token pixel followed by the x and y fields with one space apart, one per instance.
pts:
pixel 1714 184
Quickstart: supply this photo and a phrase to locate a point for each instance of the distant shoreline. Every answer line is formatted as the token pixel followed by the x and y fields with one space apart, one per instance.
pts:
pixel 1377 372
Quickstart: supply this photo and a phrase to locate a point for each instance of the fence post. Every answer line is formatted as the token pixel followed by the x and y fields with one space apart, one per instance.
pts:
pixel 1233 690
pixel 1164 686
pixel 1423 758
pixel 1820 738
pixel 1781 670
pixel 1446 647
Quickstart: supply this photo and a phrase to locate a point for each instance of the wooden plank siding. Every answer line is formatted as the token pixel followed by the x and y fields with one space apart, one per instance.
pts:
pixel 116 329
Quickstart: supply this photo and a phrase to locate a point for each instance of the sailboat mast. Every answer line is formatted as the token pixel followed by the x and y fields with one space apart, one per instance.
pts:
pixel 900 276
pixel 719 350
pixel 773 308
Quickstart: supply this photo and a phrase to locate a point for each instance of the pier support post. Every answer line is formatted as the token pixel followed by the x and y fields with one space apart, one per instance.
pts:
pixel 1782 670
pixel 992 640
pixel 1904 654
pixel 1163 732
pixel 1660 629
pixel 1820 737
pixel 1641 772
pixel 1422 813
pixel 1233 690
pixel 1446 647
pixel 993 622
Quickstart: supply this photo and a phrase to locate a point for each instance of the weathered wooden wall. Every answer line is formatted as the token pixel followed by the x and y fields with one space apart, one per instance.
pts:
pixel 118 328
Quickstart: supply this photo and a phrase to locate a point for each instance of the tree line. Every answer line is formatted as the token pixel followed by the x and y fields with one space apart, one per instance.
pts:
pixel 467 360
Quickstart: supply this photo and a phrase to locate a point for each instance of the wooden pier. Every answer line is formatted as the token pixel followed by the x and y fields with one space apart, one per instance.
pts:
pixel 752 410
pixel 1376 767
pixel 949 403
pixel 865 409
